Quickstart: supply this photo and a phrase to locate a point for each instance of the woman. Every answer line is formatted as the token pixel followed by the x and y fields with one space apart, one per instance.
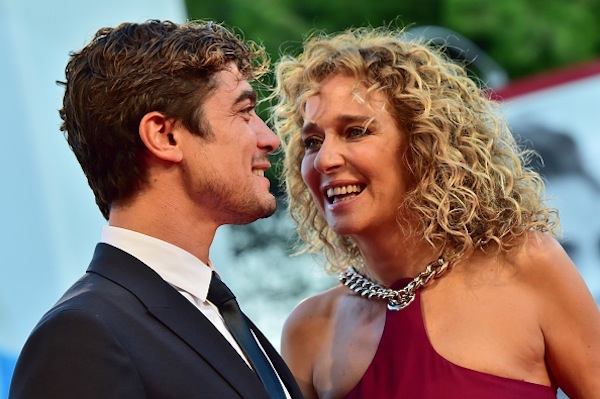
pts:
pixel 401 173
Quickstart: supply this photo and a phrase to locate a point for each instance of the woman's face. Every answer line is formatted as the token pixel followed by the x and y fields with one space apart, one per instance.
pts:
pixel 353 165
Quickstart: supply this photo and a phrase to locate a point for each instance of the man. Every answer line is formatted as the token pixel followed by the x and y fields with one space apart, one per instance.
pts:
pixel 162 119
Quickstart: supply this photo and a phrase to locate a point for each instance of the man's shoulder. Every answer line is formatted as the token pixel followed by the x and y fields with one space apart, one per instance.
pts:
pixel 93 294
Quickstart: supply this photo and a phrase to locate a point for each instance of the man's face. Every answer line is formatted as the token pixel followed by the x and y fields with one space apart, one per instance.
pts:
pixel 227 172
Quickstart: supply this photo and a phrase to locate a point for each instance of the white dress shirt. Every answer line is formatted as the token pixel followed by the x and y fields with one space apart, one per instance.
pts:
pixel 182 270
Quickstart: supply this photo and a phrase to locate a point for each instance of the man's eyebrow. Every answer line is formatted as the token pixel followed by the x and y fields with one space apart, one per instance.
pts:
pixel 246 95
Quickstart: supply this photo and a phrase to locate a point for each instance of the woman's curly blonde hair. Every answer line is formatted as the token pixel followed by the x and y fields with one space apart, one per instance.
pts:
pixel 471 183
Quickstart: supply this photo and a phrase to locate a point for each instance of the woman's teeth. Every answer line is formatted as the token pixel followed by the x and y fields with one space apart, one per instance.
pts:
pixel 337 194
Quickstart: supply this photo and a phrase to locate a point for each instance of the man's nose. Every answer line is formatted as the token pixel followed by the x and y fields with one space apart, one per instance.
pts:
pixel 267 139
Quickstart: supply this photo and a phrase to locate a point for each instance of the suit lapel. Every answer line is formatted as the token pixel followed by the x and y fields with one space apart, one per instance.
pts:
pixel 179 315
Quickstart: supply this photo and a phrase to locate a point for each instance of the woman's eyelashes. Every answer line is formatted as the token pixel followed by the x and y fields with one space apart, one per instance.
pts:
pixel 357 131
pixel 354 132
pixel 312 142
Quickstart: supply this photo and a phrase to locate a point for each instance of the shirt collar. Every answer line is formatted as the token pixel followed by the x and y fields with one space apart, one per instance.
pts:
pixel 176 266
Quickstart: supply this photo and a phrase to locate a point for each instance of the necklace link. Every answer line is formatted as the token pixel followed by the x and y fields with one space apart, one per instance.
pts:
pixel 396 299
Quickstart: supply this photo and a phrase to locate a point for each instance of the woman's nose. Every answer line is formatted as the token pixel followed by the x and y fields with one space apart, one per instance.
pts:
pixel 329 157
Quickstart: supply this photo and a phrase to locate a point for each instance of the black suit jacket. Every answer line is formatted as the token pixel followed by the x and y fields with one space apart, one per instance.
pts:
pixel 121 331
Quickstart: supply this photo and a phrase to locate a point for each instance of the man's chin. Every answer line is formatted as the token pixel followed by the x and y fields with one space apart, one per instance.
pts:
pixel 261 210
pixel 269 209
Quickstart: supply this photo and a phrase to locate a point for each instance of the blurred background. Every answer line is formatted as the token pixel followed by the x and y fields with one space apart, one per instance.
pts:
pixel 540 58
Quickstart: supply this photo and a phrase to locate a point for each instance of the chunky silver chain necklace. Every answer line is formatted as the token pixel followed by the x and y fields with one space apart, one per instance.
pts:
pixel 396 299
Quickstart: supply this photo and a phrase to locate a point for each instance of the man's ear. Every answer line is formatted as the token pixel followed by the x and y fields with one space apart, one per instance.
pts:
pixel 160 136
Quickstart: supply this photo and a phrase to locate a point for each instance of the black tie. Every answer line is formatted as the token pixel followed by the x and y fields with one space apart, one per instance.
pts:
pixel 223 298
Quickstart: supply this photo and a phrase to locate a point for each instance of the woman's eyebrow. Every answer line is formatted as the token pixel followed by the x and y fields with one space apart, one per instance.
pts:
pixel 344 119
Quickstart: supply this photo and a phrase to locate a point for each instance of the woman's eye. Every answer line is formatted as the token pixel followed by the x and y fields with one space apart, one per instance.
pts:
pixel 357 131
pixel 311 143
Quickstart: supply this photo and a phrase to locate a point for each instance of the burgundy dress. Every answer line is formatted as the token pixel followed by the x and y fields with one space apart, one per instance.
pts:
pixel 406 366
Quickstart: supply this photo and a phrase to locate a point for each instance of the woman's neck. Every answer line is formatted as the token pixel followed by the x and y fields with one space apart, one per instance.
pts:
pixel 393 256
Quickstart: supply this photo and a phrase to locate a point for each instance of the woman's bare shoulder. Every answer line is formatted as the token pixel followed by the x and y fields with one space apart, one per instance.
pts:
pixel 544 267
pixel 569 315
pixel 542 258
pixel 307 332
pixel 315 310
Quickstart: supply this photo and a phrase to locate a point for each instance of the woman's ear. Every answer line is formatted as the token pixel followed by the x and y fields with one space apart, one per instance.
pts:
pixel 160 136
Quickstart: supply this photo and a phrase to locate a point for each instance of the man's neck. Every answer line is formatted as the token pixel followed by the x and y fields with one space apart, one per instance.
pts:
pixel 191 233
